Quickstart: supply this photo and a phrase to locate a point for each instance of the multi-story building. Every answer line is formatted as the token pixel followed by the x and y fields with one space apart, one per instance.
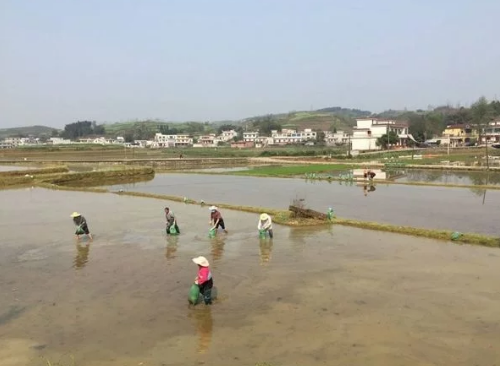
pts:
pixel 336 138
pixel 14 141
pixel 461 134
pixel 368 130
pixel 491 133
pixel 208 140
pixel 228 135
pixel 161 140
pixel 289 136
pixel 58 141
pixel 250 136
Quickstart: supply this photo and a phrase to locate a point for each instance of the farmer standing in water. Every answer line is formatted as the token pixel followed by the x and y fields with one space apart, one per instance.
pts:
pixel 216 219
pixel 171 220
pixel 81 223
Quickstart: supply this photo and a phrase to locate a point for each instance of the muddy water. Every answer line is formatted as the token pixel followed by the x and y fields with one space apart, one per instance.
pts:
pixel 336 296
pixel 429 207
pixel 448 177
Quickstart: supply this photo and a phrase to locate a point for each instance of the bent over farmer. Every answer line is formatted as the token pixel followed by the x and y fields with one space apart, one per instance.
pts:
pixel 265 224
pixel 216 219
pixel 81 225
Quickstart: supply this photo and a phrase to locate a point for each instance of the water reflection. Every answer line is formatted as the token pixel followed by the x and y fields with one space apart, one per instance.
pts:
pixel 446 177
pixel 266 249
pixel 82 256
pixel 202 317
pixel 368 188
pixel 171 248
pixel 217 244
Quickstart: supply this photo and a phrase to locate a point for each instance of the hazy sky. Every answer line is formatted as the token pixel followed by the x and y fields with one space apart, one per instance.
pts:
pixel 114 60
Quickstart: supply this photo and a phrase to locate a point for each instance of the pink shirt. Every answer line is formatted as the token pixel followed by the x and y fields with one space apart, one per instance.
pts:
pixel 204 275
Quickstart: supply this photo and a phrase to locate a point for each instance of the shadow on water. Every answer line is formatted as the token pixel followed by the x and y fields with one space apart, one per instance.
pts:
pixel 82 256
pixel 203 321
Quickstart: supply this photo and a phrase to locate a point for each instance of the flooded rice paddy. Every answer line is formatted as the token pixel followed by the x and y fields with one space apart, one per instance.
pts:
pixel 460 209
pixel 336 296
pixel 447 177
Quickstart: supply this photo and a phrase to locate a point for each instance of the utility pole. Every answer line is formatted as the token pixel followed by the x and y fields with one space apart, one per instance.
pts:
pixel 388 140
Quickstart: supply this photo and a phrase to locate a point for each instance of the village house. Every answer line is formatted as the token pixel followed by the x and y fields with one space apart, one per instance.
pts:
pixel 210 140
pixel 289 136
pixel 491 133
pixel 21 141
pixel 459 135
pixel 336 138
pixel 368 130
pixel 58 141
pixel 167 141
pixel 250 136
pixel 228 135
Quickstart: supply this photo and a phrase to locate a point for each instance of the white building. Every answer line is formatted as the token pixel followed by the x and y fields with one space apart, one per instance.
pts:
pixel 287 136
pixel 368 130
pixel 58 141
pixel 336 138
pixel 162 140
pixel 250 136
pixel 208 140
pixel 228 135
pixel 14 141
pixel 491 133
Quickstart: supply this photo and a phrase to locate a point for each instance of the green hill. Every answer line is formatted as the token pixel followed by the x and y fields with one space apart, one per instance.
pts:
pixel 26 131
pixel 324 119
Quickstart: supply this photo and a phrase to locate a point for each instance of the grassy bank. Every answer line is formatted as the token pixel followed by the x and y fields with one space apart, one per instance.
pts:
pixel 101 177
pixel 17 173
pixel 19 178
pixel 55 178
pixel 290 170
pixel 465 238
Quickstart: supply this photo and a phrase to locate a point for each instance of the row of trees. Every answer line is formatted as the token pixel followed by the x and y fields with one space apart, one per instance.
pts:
pixel 426 124
pixel 82 128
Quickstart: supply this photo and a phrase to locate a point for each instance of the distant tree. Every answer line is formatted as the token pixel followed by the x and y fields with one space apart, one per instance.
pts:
pixel 320 136
pixel 266 124
pixel 482 114
pixel 383 140
pixel 225 127
pixel 54 133
pixel 81 129
pixel 128 136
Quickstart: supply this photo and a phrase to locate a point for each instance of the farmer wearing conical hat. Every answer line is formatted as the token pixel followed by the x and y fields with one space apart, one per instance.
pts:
pixel 81 224
pixel 216 219
pixel 265 224
pixel 204 279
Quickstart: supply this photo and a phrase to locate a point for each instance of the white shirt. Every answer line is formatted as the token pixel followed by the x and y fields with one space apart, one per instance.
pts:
pixel 268 224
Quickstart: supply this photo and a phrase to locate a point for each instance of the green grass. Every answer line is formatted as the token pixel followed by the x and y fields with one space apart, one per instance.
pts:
pixel 290 171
